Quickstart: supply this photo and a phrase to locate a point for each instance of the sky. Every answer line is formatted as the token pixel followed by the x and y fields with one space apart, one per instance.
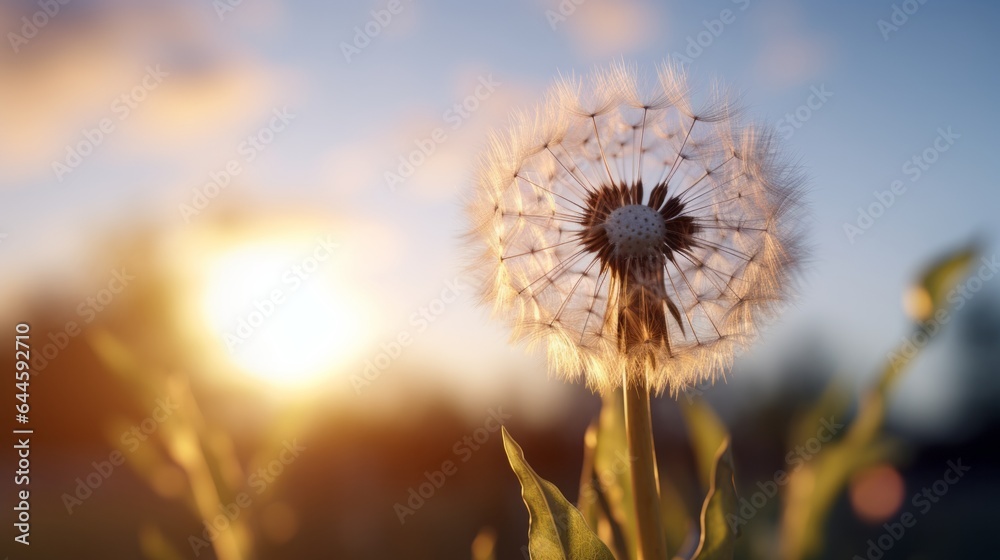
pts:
pixel 337 93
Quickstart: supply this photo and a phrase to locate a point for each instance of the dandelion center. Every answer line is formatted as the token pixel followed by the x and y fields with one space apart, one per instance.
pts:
pixel 635 230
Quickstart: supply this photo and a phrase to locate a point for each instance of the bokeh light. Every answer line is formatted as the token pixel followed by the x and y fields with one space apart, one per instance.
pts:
pixel 877 493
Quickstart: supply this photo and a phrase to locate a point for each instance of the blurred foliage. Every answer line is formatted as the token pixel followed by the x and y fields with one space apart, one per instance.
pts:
pixel 606 484
pixel 606 502
pixel 194 462
pixel 814 488
pixel 718 535
pixel 485 544
pixel 930 293
pixel 204 454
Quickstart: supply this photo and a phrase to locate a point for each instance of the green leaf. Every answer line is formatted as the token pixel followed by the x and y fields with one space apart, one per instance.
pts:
pixel 595 503
pixel 679 519
pixel 606 489
pixel 707 434
pixel 718 540
pixel 929 293
pixel 556 529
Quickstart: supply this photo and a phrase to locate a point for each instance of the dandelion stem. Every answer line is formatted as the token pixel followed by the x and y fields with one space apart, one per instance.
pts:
pixel 645 485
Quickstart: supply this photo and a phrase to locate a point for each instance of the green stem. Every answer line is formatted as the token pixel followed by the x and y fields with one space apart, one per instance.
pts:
pixel 645 486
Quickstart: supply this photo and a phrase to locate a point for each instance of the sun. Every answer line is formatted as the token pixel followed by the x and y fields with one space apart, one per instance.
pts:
pixel 277 308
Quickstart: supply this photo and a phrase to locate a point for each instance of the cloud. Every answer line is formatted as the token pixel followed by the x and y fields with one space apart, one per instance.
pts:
pixel 601 28
pixel 68 76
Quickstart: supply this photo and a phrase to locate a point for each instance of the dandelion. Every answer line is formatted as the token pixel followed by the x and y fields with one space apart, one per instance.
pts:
pixel 640 239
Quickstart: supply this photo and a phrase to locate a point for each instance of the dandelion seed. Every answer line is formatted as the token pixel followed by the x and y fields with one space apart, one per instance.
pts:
pixel 628 231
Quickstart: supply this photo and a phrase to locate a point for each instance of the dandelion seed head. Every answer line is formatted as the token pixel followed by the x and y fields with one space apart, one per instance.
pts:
pixel 633 232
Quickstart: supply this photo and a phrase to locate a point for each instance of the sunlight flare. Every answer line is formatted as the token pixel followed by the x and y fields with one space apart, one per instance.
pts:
pixel 275 307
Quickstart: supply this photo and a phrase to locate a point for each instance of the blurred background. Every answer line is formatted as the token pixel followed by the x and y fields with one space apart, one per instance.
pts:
pixel 234 229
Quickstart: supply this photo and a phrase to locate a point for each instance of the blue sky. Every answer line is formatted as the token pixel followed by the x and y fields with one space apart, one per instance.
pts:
pixel 354 119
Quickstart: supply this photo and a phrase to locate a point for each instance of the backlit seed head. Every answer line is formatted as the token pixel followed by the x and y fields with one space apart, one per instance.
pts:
pixel 636 236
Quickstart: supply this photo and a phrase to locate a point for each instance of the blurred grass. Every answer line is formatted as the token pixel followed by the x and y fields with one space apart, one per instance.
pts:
pixel 203 452
pixel 815 487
